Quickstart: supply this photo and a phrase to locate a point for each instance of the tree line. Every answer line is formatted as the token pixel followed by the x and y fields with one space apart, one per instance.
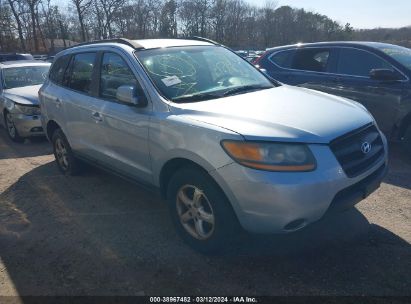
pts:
pixel 36 25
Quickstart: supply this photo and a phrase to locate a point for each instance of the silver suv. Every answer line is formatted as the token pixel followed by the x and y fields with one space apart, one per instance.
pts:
pixel 225 145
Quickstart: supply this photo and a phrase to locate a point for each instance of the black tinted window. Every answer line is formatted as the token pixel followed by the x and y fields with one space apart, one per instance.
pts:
pixel 359 63
pixel 81 72
pixel 114 73
pixel 284 59
pixel 58 69
pixel 311 60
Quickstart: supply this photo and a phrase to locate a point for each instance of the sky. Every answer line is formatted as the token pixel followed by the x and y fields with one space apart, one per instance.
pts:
pixel 359 13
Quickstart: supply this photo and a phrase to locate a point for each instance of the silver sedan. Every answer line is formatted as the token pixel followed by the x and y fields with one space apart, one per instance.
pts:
pixel 20 82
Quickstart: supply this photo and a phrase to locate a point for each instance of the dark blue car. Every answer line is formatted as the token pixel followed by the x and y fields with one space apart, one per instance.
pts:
pixel 375 74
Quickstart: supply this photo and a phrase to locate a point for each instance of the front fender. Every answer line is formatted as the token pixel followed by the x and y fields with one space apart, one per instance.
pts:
pixel 177 137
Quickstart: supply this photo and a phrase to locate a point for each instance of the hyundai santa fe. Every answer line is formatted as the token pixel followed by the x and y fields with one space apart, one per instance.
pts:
pixel 226 146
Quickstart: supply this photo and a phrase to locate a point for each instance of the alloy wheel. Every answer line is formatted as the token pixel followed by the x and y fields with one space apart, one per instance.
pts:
pixel 61 154
pixel 195 212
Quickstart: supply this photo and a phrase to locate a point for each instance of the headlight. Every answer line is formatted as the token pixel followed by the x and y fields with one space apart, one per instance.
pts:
pixel 271 156
pixel 28 110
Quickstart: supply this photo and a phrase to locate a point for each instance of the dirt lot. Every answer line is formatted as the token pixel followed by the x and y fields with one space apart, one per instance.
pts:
pixel 99 235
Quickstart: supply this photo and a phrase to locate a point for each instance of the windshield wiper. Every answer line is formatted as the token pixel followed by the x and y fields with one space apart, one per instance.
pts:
pixel 196 97
pixel 244 89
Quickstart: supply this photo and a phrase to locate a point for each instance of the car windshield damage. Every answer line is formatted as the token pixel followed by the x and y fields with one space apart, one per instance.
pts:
pixel 197 73
pixel 398 53
pixel 24 76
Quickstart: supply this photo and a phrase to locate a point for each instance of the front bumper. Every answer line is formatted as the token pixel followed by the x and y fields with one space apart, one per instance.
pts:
pixel 282 202
pixel 27 125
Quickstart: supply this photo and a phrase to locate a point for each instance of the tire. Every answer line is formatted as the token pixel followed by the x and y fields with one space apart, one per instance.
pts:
pixel 208 224
pixel 67 163
pixel 406 141
pixel 11 129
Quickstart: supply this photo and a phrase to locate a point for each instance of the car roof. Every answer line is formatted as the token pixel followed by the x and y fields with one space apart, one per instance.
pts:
pixel 143 44
pixel 163 43
pixel 22 63
pixel 366 44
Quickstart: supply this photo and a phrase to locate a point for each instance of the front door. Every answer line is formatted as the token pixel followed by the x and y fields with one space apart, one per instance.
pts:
pixel 125 127
pixel 381 98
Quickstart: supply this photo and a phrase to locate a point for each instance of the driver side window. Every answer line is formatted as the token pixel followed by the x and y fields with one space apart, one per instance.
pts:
pixel 114 74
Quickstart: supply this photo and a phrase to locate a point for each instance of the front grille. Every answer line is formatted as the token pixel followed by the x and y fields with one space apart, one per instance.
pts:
pixel 348 150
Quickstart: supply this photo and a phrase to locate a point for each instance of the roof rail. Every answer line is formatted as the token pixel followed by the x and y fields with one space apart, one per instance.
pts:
pixel 203 39
pixel 125 41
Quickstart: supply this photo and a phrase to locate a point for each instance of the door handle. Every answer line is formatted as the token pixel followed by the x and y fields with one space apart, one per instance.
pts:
pixel 97 117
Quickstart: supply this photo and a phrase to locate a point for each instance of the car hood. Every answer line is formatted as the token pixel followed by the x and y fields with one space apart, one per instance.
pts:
pixel 284 113
pixel 25 95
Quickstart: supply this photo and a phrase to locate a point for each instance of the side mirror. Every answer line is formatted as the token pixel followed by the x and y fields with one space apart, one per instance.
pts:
pixel 128 94
pixel 384 75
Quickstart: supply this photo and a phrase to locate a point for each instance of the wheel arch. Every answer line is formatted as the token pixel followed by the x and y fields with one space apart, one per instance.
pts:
pixel 3 116
pixel 172 166
pixel 51 127
pixel 404 124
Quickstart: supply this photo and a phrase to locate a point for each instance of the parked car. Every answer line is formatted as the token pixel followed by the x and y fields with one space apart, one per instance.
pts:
pixel 223 143
pixel 20 82
pixel 375 74
pixel 15 56
pixel 242 53
pixel 40 57
pixel 50 59
pixel 252 58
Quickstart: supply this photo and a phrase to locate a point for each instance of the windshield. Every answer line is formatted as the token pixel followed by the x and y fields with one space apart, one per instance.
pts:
pixel 195 73
pixel 24 76
pixel 398 53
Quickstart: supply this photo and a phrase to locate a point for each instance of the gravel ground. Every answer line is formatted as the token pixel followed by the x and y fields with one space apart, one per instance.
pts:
pixel 97 234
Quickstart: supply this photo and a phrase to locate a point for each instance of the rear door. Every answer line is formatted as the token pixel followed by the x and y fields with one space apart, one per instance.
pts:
pixel 381 98
pixel 308 67
pixel 80 102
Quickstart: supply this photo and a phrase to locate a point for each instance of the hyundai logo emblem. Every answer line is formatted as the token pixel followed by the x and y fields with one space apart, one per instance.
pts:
pixel 366 147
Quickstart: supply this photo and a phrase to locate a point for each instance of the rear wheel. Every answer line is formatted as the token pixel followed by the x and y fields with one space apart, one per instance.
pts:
pixel 66 161
pixel 200 211
pixel 11 128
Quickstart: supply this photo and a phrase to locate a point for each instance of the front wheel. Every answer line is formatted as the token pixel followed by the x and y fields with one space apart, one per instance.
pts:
pixel 11 128
pixel 200 211
pixel 66 161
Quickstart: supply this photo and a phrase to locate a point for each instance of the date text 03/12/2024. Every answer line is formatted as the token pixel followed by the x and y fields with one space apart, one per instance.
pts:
pixel 237 299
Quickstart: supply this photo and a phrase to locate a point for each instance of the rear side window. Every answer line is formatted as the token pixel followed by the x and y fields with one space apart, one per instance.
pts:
pixel 359 63
pixel 311 59
pixel 81 73
pixel 283 59
pixel 114 73
pixel 58 69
